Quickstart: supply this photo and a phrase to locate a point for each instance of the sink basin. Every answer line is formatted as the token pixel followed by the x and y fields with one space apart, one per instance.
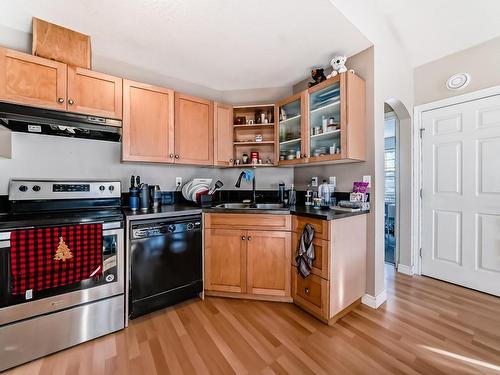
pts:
pixel 246 206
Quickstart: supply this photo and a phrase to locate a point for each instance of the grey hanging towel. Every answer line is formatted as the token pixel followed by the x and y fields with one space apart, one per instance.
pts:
pixel 305 252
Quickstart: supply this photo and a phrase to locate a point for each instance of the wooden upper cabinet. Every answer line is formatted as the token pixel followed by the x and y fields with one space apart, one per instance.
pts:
pixel 94 93
pixel 148 123
pixel 194 141
pixel 31 80
pixel 225 260
pixel 223 135
pixel 268 263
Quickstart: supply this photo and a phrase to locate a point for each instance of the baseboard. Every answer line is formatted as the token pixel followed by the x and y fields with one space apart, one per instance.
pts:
pixel 374 302
pixel 407 270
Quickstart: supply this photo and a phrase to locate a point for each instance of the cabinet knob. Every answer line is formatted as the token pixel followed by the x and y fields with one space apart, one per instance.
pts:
pixel 60 100
pixel 243 238
pixel 231 160
pixel 177 156
pixel 305 155
pixel 306 290
pixel 249 238
pixel 71 102
pixel 171 156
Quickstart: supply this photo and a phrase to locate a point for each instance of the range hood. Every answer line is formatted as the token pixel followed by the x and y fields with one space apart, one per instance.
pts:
pixel 19 118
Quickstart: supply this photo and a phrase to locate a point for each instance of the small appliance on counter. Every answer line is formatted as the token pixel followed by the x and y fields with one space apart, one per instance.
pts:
pixel 144 196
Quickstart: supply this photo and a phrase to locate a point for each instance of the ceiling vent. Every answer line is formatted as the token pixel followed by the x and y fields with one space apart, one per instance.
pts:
pixel 458 81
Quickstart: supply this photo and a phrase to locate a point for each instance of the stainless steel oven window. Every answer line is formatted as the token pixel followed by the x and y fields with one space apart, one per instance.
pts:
pixel 50 304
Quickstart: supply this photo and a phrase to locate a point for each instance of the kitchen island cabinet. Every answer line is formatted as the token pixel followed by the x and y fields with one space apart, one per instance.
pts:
pixel 338 278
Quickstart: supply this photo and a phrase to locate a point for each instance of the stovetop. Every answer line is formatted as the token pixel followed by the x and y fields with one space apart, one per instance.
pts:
pixel 9 221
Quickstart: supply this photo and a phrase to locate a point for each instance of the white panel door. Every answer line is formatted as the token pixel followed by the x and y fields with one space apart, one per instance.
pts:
pixel 461 194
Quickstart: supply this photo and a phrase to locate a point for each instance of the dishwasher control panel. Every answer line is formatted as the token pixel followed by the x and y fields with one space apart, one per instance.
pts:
pixel 164 228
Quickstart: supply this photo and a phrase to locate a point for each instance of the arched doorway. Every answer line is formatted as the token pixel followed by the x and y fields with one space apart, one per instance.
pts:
pixel 397 184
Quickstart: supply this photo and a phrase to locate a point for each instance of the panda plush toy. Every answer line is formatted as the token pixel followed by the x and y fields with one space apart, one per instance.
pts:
pixel 338 66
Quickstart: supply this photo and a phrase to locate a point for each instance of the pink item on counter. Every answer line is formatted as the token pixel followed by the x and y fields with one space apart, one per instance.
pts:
pixel 360 187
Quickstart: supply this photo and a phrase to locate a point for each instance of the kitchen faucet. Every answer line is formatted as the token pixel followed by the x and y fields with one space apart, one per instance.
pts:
pixel 245 174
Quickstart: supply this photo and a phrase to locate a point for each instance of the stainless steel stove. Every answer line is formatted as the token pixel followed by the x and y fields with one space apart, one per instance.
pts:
pixel 53 319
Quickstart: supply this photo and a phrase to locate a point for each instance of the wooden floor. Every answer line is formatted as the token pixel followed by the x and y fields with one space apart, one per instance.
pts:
pixel 426 327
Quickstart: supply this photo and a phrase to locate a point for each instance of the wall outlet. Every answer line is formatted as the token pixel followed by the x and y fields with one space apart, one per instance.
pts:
pixel 314 181
pixel 178 181
pixel 333 180
pixel 368 179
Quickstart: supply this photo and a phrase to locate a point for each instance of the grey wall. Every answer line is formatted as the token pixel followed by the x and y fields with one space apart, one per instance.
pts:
pixel 37 156
pixel 482 62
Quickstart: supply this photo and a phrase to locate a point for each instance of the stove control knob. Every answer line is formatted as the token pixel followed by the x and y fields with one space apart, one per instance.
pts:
pixel 171 228
pixel 23 188
pixel 36 188
pixel 190 226
pixel 111 188
pixel 102 188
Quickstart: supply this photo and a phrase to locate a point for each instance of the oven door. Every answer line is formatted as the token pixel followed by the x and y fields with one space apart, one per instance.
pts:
pixel 14 308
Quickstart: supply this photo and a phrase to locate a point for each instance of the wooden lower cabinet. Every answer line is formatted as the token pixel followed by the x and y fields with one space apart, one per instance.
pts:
pixel 268 263
pixel 338 278
pixel 311 293
pixel 225 260
pixel 247 263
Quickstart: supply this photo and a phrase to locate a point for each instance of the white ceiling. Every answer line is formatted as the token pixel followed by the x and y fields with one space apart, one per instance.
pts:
pixel 221 44
pixel 430 29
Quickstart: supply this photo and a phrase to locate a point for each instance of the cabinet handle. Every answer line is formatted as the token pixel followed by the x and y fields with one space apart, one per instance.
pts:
pixel 60 100
pixel 171 156
pixel 177 156
pixel 243 238
pixel 71 102
pixel 249 238
pixel 306 290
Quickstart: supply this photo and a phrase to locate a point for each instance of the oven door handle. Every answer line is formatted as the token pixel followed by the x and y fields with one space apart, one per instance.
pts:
pixel 4 244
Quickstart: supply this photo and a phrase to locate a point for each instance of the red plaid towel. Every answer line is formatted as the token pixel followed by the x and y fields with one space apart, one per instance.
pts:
pixel 46 258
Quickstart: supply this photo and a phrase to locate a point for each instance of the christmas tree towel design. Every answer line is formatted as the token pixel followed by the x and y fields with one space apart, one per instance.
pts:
pixel 63 252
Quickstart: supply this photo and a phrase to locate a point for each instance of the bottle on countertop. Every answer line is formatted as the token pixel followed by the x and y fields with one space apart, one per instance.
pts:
pixel 133 200
pixel 309 196
pixel 324 194
pixel 292 196
pixel 281 192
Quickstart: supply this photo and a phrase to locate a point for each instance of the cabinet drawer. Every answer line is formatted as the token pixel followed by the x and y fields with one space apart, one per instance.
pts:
pixel 310 293
pixel 248 221
pixel 321 250
pixel 320 226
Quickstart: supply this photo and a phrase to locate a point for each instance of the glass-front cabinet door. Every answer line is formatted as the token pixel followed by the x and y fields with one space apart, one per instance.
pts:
pixel 290 130
pixel 325 120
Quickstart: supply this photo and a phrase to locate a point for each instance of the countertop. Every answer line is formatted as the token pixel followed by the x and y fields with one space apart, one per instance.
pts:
pixel 177 209
pixel 187 209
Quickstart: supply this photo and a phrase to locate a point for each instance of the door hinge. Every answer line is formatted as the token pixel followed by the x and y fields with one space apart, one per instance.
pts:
pixel 420 193
pixel 420 253
pixel 421 132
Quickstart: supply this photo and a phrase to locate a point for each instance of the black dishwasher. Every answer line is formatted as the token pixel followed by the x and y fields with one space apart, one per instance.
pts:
pixel 165 263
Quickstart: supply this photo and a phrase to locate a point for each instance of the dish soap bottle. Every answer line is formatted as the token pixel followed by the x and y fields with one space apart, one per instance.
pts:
pixel 324 194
